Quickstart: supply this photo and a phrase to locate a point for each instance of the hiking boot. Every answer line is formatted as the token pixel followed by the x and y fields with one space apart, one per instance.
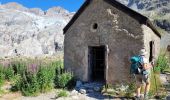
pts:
pixel 137 98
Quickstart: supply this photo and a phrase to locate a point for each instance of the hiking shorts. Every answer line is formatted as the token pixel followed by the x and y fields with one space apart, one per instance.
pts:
pixel 142 79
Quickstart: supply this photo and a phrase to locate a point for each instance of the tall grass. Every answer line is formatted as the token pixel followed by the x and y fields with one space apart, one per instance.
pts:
pixel 162 63
pixel 155 83
pixel 2 76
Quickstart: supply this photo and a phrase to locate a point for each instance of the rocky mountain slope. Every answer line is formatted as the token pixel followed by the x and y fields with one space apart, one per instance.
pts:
pixel 31 32
pixel 158 11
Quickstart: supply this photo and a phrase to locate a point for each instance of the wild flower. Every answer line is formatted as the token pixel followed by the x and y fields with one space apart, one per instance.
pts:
pixel 33 68
pixel 5 63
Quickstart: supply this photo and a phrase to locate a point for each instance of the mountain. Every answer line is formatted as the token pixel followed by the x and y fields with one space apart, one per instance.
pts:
pixel 31 32
pixel 159 13
pixel 34 32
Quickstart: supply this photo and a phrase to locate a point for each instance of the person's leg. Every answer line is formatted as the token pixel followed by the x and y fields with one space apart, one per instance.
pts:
pixel 138 91
pixel 138 85
pixel 147 86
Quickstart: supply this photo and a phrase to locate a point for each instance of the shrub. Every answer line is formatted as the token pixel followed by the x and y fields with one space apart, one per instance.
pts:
pixel 162 63
pixel 8 72
pixel 2 79
pixel 64 80
pixel 16 81
pixel 2 76
pixel 46 76
pixel 59 67
pixel 19 67
pixel 62 93
pixel 33 76
pixel 29 85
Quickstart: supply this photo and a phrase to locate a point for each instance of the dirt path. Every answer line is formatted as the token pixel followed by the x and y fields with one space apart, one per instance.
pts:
pixel 72 96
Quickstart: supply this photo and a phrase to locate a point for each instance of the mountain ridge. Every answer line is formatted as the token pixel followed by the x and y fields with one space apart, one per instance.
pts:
pixel 31 31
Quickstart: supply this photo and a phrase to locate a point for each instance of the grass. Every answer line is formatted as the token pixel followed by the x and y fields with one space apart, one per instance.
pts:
pixel 62 93
pixel 167 70
pixel 157 89
pixel 34 76
pixel 155 83
pixel 125 90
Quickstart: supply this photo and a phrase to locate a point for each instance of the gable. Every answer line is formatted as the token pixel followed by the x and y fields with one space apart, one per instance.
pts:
pixel 142 19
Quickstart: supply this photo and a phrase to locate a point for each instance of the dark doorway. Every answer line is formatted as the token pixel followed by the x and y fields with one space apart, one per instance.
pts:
pixel 152 52
pixel 97 63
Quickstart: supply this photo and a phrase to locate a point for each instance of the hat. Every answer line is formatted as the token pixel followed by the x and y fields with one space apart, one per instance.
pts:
pixel 143 52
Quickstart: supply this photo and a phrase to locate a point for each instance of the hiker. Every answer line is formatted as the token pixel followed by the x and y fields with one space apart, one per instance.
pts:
pixel 141 73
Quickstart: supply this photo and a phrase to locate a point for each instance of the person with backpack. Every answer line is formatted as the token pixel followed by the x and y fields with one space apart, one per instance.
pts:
pixel 141 70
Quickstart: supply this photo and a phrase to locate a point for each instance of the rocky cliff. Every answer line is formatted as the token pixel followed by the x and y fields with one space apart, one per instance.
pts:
pixel 158 11
pixel 31 32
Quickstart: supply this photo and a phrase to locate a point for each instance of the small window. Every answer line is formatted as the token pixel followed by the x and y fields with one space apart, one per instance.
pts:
pixel 168 48
pixel 95 26
pixel 152 51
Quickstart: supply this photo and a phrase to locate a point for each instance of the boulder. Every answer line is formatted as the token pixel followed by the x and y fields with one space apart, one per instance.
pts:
pixel 74 92
pixel 82 91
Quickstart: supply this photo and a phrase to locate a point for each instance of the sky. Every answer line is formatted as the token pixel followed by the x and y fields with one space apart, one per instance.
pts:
pixel 70 5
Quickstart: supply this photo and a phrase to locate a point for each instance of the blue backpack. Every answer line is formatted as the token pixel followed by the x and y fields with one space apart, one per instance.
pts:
pixel 136 65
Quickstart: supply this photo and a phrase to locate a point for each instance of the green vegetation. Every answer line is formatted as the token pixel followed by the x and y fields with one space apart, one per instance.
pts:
pixel 162 64
pixel 64 80
pixel 2 76
pixel 125 90
pixel 155 84
pixel 130 90
pixel 32 77
pixel 62 93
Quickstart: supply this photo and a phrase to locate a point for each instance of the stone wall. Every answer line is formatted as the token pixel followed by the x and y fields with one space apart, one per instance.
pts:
pixel 122 33
pixel 149 35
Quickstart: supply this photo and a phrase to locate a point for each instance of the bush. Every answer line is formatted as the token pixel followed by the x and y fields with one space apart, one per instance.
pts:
pixel 19 67
pixel 24 81
pixel 62 93
pixel 162 63
pixel 16 81
pixel 29 85
pixel 33 76
pixel 8 72
pixel 46 76
pixel 2 76
pixel 2 79
pixel 64 80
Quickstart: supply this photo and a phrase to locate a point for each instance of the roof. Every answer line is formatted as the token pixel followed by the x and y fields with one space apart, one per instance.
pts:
pixel 141 18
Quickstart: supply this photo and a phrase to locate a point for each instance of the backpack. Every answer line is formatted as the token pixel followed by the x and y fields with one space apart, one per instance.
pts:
pixel 136 65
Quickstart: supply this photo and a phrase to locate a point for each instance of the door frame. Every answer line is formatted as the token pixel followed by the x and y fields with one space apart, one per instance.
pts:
pixel 106 51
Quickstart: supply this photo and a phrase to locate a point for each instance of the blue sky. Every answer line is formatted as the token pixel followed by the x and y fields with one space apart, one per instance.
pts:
pixel 71 5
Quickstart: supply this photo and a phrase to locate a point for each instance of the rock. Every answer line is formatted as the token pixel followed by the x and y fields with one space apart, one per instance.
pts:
pixel 82 91
pixel 163 79
pixel 97 89
pixel 78 84
pixel 31 32
pixel 90 91
pixel 74 98
pixel 74 92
